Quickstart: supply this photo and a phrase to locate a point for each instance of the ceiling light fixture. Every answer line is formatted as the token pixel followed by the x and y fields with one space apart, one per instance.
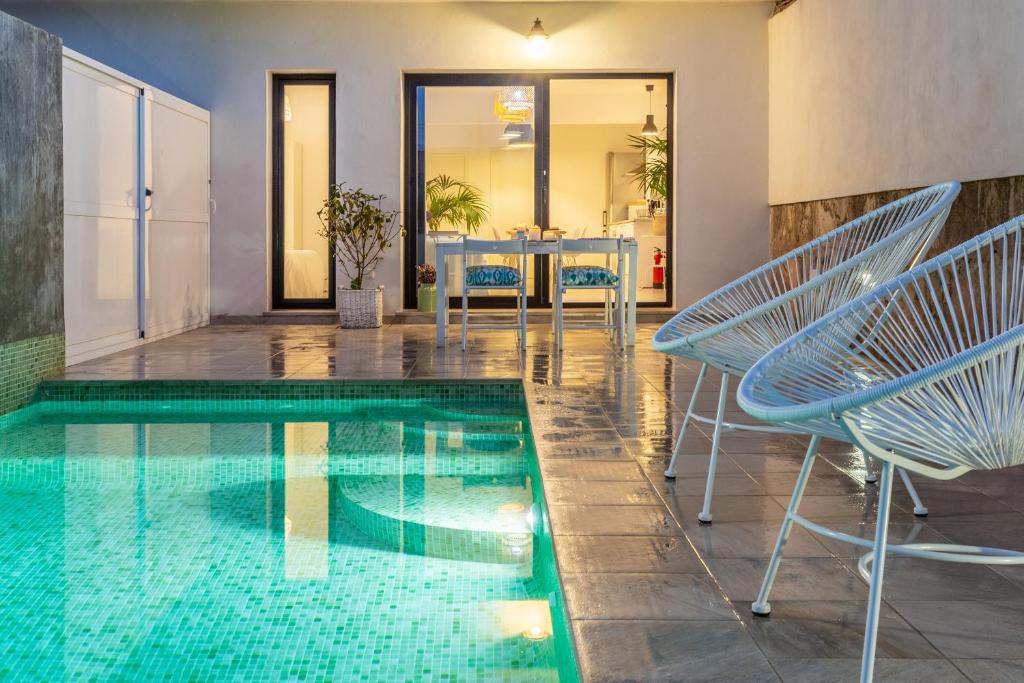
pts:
pixel 514 131
pixel 526 139
pixel 650 129
pixel 511 131
pixel 537 34
pixel 516 98
pixel 537 40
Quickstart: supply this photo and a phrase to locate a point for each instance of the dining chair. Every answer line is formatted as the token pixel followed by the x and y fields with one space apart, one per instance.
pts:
pixel 591 277
pixel 926 374
pixel 495 276
pixel 730 329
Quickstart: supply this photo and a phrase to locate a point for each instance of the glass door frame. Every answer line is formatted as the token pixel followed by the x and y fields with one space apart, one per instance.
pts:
pixel 413 155
pixel 279 81
pixel 413 204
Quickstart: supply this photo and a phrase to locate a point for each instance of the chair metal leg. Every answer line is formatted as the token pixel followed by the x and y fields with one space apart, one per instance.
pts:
pixel 705 514
pixel 919 508
pixel 465 316
pixel 761 606
pixel 559 313
pixel 670 473
pixel 620 314
pixel 870 475
pixel 522 323
pixel 867 668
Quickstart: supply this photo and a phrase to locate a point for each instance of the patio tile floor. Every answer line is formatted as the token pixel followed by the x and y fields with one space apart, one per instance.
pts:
pixel 654 595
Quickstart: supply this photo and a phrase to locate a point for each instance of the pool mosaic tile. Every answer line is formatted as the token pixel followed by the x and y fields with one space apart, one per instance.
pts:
pixel 354 544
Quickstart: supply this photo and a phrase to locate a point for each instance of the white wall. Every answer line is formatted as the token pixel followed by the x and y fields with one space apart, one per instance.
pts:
pixel 870 95
pixel 218 56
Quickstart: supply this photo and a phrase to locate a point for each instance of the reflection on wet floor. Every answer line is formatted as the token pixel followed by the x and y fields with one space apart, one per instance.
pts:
pixel 652 594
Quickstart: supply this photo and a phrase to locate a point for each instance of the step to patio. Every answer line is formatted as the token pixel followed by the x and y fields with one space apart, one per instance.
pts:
pixel 643 315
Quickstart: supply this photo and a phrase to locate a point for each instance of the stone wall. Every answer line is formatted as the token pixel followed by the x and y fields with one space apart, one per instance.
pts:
pixel 31 211
pixel 982 204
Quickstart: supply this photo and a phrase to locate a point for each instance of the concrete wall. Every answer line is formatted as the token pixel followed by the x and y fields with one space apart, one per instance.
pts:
pixel 218 56
pixel 874 95
pixel 873 98
pixel 31 211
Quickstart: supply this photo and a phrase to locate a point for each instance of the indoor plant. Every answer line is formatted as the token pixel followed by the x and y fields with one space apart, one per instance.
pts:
pixel 652 173
pixel 426 277
pixel 455 203
pixel 358 231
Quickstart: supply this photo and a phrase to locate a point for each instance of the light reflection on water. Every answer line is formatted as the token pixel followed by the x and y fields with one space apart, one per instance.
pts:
pixel 389 545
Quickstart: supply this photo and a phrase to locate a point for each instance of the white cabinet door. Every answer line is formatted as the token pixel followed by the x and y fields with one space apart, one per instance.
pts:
pixel 177 242
pixel 101 157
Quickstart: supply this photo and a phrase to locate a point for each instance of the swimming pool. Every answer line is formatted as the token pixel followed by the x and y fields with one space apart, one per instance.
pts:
pixel 276 532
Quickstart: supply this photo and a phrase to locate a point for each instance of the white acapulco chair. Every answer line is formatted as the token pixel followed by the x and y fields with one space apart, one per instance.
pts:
pixel 495 276
pixel 730 329
pixel 591 277
pixel 924 373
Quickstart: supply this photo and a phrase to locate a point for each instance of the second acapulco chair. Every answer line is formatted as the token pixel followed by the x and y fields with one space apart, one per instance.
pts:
pixel 925 374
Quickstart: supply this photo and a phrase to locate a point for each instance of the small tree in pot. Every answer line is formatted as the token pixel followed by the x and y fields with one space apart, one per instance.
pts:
pixel 359 231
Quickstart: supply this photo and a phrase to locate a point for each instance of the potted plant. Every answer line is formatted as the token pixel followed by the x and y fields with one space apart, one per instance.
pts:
pixel 652 174
pixel 455 203
pixel 358 231
pixel 426 278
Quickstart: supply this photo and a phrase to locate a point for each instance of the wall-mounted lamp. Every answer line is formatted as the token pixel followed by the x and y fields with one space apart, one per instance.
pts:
pixel 537 34
pixel 650 129
pixel 537 39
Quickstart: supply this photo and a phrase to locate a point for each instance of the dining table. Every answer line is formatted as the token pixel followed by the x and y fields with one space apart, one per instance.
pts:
pixel 447 246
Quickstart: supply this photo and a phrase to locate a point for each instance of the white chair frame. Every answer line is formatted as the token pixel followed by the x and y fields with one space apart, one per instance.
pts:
pixel 730 329
pixel 515 249
pixel 925 374
pixel 614 319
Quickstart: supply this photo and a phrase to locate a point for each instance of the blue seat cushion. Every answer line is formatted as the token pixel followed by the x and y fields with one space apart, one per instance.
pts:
pixel 588 276
pixel 492 276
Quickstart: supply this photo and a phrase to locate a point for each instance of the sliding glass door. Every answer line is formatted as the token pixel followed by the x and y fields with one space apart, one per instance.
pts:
pixel 579 155
pixel 473 156
pixel 303 163
pixel 609 172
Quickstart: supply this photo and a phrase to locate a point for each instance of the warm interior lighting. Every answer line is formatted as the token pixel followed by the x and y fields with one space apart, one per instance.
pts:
pixel 516 98
pixel 537 33
pixel 512 131
pixel 650 129
pixel 524 140
pixel 537 39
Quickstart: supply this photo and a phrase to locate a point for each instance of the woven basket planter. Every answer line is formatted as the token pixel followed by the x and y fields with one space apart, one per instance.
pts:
pixel 361 308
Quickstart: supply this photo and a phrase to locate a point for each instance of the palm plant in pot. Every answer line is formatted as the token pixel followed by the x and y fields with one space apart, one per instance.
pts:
pixel 359 231
pixel 455 203
pixel 651 176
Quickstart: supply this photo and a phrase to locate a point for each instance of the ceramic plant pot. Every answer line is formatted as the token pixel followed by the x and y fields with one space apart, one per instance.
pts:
pixel 426 298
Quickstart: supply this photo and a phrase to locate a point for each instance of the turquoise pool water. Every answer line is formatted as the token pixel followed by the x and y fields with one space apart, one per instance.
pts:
pixel 398 540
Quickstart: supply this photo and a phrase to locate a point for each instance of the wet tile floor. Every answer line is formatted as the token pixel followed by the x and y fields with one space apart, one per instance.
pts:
pixel 654 595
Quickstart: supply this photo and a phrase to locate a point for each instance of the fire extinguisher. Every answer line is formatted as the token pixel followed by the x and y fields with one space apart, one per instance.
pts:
pixel 658 276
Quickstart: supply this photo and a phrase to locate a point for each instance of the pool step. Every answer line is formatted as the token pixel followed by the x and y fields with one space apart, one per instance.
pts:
pixel 447 517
